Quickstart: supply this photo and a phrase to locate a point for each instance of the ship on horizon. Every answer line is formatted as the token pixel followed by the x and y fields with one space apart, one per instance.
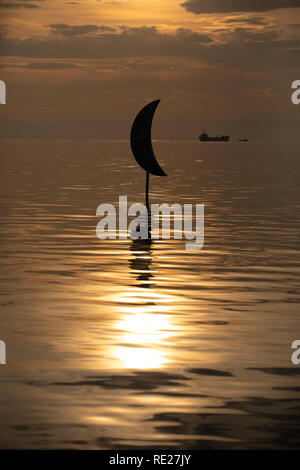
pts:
pixel 204 137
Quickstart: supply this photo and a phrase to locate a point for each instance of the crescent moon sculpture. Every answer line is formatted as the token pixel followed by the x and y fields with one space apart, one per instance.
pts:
pixel 141 143
pixel 140 140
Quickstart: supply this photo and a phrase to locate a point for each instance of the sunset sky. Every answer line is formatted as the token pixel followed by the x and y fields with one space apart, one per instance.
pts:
pixel 82 69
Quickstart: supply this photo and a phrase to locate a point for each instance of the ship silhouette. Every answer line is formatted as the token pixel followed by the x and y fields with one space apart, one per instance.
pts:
pixel 204 137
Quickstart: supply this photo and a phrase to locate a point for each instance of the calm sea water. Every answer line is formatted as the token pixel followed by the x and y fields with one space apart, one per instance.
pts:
pixel 127 345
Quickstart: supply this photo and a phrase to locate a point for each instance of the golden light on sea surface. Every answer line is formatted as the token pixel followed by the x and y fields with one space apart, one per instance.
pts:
pixel 144 333
pixel 146 322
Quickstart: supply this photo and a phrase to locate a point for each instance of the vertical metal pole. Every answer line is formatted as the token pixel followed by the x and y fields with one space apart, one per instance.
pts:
pixel 147 204
pixel 147 190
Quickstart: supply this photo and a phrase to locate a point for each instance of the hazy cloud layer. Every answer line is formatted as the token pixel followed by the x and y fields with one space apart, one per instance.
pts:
pixel 72 31
pixel 14 6
pixel 42 66
pixel 129 42
pixel 250 20
pixel 230 6
pixel 237 43
pixel 240 45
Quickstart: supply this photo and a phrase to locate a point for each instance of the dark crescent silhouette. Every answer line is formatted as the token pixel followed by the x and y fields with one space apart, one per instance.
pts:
pixel 140 140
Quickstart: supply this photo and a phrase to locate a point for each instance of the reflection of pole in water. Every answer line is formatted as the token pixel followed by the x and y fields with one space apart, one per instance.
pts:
pixel 140 262
pixel 148 322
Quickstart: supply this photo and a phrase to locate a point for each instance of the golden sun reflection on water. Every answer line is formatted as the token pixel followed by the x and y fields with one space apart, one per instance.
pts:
pixel 146 323
pixel 140 358
pixel 144 330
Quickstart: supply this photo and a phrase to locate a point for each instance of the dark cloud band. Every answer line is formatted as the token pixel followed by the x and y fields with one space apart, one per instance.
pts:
pixel 128 42
pixel 72 31
pixel 15 6
pixel 230 6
